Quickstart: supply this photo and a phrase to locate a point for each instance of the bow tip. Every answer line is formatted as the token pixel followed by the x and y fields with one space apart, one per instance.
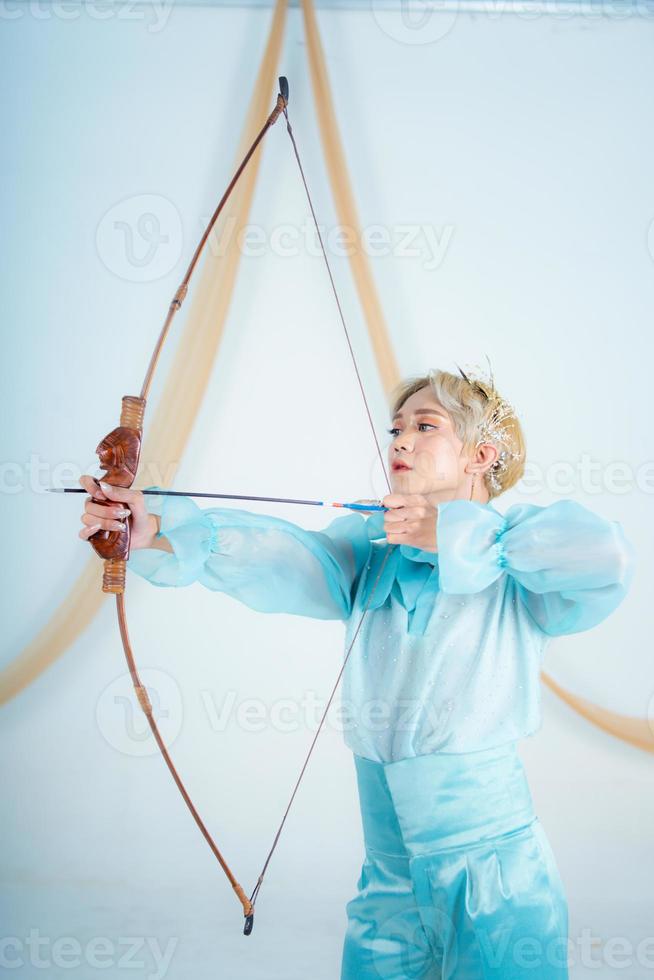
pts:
pixel 249 922
pixel 283 87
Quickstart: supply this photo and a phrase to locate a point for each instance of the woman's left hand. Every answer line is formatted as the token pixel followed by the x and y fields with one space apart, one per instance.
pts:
pixel 410 519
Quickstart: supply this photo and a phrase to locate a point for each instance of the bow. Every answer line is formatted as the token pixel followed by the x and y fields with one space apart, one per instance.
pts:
pixel 119 454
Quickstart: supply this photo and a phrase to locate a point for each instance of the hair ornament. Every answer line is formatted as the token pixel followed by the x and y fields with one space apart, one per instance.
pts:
pixel 491 428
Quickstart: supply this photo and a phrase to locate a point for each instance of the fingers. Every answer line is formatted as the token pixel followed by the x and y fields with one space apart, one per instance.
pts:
pixel 395 500
pixel 106 523
pixel 410 518
pixel 105 491
pixel 394 518
pixel 117 511
pixel 92 486
pixel 86 532
pixel 122 494
pixel 407 527
pixel 407 514
pixel 407 507
pixel 99 515
pixel 403 503
pixel 406 500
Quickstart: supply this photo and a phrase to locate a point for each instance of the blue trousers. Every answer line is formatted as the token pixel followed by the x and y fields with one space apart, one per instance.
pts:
pixel 459 880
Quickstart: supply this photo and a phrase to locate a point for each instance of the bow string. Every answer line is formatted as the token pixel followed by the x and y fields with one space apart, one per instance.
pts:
pixel 119 454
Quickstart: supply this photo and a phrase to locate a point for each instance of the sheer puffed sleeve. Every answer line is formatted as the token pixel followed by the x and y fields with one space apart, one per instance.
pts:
pixel 265 562
pixel 573 568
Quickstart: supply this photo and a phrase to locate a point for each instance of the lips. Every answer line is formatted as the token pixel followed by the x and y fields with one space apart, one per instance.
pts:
pixel 400 466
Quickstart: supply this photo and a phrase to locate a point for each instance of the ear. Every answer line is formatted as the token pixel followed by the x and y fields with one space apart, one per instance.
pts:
pixel 482 458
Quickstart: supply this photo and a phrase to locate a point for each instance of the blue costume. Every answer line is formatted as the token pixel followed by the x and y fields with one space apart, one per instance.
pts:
pixel 459 880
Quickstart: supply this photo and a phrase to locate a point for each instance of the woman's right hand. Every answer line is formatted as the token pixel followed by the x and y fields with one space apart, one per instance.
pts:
pixel 121 504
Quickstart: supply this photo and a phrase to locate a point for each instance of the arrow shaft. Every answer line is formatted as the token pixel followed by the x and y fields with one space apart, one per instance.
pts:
pixel 237 496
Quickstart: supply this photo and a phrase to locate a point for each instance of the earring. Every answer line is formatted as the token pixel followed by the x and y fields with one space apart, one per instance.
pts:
pixel 472 487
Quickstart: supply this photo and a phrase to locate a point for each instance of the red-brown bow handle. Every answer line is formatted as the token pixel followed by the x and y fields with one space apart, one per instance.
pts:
pixel 119 454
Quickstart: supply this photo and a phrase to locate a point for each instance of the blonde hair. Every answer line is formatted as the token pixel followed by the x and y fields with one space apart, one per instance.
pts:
pixel 479 414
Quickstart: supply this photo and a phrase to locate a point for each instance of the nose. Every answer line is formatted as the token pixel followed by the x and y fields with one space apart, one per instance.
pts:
pixel 402 442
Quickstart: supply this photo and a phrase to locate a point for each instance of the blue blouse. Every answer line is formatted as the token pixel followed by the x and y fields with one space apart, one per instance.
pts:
pixel 449 654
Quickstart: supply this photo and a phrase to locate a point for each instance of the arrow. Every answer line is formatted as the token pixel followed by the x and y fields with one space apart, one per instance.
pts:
pixel 235 496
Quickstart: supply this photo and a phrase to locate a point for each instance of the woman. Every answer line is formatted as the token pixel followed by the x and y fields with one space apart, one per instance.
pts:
pixel 459 880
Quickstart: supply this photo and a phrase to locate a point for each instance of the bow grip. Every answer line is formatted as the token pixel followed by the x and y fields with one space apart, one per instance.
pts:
pixel 119 454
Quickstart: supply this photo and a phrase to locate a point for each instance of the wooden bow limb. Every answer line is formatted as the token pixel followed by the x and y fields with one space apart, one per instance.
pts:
pixel 146 706
pixel 119 454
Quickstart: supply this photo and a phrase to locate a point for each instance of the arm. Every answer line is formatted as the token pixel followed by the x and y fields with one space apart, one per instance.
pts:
pixel 573 568
pixel 267 563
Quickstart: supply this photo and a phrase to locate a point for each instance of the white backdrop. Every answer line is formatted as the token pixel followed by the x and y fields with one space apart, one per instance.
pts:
pixel 518 152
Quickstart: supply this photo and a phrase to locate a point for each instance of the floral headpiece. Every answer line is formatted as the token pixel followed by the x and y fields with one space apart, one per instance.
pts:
pixel 491 429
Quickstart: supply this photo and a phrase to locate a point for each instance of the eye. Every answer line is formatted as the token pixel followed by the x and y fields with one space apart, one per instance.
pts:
pixel 394 432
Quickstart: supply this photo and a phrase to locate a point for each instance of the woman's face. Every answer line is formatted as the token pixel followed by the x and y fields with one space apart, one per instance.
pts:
pixel 425 454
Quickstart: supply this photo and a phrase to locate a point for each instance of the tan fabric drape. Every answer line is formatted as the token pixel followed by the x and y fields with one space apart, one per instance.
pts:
pixel 167 431
pixel 209 300
pixel 636 731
